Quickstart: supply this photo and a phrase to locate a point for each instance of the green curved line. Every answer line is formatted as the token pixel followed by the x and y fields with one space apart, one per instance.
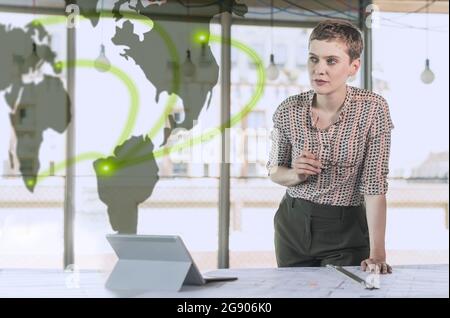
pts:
pixel 63 164
pixel 50 20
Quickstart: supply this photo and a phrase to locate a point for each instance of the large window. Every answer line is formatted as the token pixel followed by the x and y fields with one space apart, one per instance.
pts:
pixel 31 210
pixel 418 195
pixel 128 103
pixel 417 229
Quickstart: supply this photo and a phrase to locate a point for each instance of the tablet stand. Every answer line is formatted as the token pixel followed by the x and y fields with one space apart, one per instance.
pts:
pixel 129 274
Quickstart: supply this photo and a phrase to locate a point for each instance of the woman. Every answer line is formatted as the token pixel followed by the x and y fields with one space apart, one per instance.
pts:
pixel 330 147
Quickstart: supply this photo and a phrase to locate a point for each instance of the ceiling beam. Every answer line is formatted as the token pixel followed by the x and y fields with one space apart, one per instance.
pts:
pixel 400 6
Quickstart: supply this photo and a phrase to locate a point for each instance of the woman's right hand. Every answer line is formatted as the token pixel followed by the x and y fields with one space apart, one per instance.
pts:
pixel 307 165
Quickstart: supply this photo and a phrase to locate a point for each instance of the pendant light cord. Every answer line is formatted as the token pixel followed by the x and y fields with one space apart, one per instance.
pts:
pixel 426 30
pixel 271 26
pixel 101 14
pixel 188 7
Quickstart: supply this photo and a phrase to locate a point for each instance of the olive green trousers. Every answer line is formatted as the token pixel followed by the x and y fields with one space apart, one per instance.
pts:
pixel 312 234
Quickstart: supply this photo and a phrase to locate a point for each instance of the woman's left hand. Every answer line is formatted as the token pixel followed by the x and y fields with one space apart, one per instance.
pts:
pixel 377 266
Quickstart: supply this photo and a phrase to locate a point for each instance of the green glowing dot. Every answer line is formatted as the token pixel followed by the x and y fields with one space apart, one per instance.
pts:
pixel 58 66
pixel 30 182
pixel 106 168
pixel 201 37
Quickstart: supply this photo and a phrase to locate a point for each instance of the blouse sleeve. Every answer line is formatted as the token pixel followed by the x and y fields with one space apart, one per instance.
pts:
pixel 281 148
pixel 376 161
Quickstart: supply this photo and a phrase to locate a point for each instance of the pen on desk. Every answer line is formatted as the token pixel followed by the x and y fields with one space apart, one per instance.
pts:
pixel 352 276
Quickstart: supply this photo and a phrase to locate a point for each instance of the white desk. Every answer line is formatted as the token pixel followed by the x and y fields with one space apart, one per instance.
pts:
pixel 406 281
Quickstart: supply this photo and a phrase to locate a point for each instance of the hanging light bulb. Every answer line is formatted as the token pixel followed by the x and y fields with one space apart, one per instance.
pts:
pixel 427 75
pixel 188 67
pixel 102 63
pixel 32 65
pixel 272 69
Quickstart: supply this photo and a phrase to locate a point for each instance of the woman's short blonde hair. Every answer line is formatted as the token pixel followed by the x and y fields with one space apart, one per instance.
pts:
pixel 341 30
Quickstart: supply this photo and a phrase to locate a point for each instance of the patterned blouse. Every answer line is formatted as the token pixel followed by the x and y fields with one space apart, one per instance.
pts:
pixel 354 150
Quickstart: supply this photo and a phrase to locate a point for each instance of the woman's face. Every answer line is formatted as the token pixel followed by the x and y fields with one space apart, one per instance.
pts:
pixel 329 65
